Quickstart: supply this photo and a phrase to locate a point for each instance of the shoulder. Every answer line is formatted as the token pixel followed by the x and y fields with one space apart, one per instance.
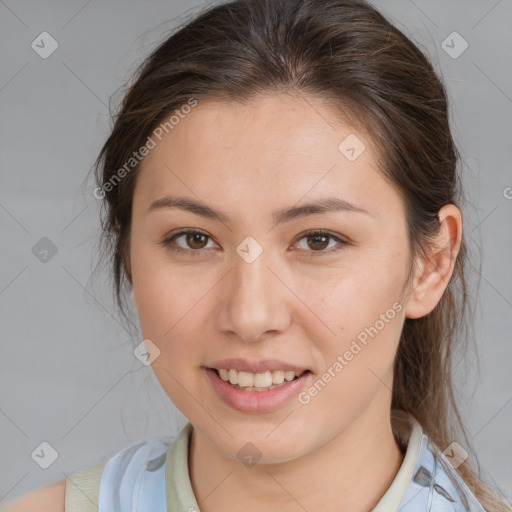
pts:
pixel 137 466
pixel 46 499
pixel 79 492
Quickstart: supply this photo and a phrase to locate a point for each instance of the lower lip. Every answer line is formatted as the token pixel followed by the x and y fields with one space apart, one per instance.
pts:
pixel 256 401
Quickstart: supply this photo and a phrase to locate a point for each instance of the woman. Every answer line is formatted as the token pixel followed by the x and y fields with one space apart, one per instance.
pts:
pixel 281 197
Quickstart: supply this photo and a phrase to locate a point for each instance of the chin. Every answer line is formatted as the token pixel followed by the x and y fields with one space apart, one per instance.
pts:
pixel 264 445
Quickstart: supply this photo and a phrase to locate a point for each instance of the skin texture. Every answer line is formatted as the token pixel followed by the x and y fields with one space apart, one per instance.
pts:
pixel 45 499
pixel 292 303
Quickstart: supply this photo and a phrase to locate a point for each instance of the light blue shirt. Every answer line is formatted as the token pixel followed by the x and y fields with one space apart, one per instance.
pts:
pixel 152 476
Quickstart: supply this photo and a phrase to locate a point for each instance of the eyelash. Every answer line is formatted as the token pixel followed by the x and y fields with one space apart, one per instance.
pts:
pixel 168 242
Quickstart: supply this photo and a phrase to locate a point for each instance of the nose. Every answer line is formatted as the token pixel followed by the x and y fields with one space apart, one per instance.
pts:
pixel 255 302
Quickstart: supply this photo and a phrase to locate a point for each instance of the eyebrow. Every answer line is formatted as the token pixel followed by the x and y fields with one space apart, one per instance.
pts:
pixel 323 205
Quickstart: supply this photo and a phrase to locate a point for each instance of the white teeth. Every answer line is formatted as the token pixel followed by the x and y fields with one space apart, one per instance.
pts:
pixel 289 375
pixel 245 379
pixel 262 380
pixel 277 376
pixel 233 376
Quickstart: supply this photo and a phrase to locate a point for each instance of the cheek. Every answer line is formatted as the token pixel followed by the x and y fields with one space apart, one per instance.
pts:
pixel 360 306
pixel 161 292
pixel 168 305
pixel 349 298
pixel 172 305
pixel 357 362
pixel 166 308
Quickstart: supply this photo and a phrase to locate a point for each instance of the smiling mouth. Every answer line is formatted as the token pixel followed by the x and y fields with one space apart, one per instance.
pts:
pixel 263 381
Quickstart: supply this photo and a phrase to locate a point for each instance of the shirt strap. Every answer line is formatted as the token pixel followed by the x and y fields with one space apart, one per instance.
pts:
pixel 83 488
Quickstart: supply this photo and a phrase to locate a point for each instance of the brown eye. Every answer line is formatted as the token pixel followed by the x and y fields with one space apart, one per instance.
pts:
pixel 194 242
pixel 318 241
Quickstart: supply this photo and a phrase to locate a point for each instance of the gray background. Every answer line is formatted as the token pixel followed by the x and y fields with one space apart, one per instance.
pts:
pixel 67 372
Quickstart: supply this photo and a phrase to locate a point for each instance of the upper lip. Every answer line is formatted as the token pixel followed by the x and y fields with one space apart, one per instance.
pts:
pixel 263 365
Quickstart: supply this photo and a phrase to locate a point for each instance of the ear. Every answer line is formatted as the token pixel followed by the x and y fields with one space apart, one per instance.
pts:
pixel 434 271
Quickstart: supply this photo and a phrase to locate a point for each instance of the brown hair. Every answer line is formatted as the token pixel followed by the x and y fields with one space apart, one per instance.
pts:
pixel 367 70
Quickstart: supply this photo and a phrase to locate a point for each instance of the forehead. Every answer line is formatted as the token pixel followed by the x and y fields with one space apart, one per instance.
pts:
pixel 273 149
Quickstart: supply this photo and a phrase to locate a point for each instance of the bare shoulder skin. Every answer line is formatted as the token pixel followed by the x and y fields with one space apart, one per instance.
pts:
pixel 50 498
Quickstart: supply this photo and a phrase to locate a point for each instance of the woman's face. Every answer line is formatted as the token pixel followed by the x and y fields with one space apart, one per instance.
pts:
pixel 260 287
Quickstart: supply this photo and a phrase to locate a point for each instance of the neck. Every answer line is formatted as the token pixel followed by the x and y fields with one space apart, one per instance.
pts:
pixel 352 472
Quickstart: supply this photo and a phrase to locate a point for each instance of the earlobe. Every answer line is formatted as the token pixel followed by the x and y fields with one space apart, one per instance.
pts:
pixel 435 269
